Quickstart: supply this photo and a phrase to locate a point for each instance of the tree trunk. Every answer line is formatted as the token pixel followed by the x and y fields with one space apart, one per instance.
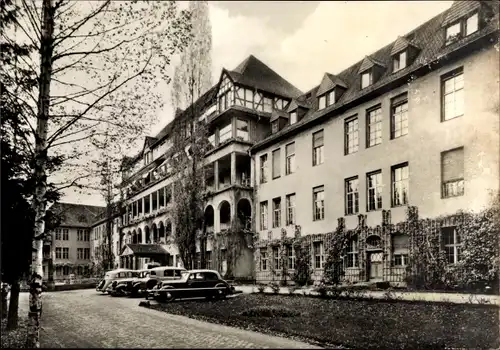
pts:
pixel 39 201
pixel 4 300
pixel 13 306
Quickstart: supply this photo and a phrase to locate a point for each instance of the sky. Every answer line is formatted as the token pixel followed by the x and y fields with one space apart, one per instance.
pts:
pixel 300 40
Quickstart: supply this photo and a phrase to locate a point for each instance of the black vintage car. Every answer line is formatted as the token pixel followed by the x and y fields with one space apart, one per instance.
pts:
pixel 193 284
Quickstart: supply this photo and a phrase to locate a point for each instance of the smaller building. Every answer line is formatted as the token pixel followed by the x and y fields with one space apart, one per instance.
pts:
pixel 67 250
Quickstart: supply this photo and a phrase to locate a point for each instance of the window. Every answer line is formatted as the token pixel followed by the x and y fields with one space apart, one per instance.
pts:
pixel 471 24
pixel 374 190
pixel 263 215
pixel 327 99
pixel 351 196
pixel 86 253
pixel 322 102
pixel 58 253
pixel 318 143
pixel 399 116
pixel 400 185
pixel 224 101
pixel 399 61
pixel 276 163
pixel 351 256
pixel 452 95
pixel 79 253
pixel 293 117
pixel 65 253
pixel 146 204
pixel 462 28
pixel 274 127
pixel 318 255
pixel 277 212
pixel 290 253
pixel 58 234
pixel 452 173
pixel 351 135
pixel 79 235
pixel 374 127
pixel 290 158
pixel 242 129
pixel 86 235
pixel 400 245
pixel 452 244
pixel 318 203
pixel 211 140
pixel 263 168
pixel 276 257
pixel 263 259
pixel 65 234
pixel 65 270
pixel 290 209
pixel 161 196
pixel 139 207
pixel 268 104
pixel 225 133
pixel 154 200
pixel 147 158
pixel 366 79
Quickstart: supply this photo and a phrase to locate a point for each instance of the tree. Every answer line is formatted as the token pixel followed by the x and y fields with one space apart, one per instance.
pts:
pixel 16 157
pixel 192 80
pixel 91 58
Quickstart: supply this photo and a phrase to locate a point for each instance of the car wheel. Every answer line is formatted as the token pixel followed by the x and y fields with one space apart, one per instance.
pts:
pixel 168 296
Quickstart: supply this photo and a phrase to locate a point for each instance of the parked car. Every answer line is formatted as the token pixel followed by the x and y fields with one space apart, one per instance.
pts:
pixel 111 278
pixel 193 284
pixel 136 285
pixel 158 275
pixel 124 287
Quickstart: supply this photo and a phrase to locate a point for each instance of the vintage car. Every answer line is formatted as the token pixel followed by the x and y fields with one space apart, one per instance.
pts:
pixel 111 278
pixel 124 287
pixel 193 284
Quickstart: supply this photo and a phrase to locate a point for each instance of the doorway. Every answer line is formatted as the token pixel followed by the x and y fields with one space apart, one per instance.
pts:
pixel 375 266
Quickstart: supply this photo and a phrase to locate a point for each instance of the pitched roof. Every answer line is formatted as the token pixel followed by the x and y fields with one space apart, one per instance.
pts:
pixel 295 104
pixel 149 140
pixel 77 215
pixel 369 62
pixel 252 72
pixel 429 37
pixel 146 248
pixel 278 114
pixel 328 82
pixel 401 44
pixel 459 9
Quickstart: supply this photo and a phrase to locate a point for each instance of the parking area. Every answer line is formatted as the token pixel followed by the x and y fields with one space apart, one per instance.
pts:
pixel 86 318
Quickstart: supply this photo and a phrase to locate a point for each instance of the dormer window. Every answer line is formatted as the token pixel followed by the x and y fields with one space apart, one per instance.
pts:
pixel 274 126
pixel 327 99
pixel 462 28
pixel 148 157
pixel 366 79
pixel 293 117
pixel 399 61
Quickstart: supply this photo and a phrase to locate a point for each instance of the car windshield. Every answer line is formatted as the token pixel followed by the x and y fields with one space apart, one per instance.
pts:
pixel 184 274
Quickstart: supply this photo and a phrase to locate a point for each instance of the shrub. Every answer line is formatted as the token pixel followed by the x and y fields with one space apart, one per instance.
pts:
pixel 292 289
pixel 270 311
pixel 302 273
pixel 261 287
pixel 275 287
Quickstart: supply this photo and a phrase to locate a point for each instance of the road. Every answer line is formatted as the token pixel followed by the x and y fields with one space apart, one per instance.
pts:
pixel 87 319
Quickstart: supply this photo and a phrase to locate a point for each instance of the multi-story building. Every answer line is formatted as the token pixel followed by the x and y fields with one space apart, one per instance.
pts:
pixel 99 237
pixel 68 248
pixel 412 125
pixel 415 123
pixel 237 113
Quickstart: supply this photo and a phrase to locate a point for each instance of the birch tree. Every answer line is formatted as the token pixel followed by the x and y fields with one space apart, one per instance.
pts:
pixel 192 79
pixel 96 66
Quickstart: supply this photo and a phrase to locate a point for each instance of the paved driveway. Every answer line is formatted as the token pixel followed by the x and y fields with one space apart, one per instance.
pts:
pixel 87 319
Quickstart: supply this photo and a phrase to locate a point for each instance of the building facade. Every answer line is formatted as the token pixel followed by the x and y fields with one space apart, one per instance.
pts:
pixel 413 124
pixel 411 128
pixel 67 251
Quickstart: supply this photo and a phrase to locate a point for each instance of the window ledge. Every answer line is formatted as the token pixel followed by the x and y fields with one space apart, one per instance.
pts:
pixel 399 206
pixel 455 117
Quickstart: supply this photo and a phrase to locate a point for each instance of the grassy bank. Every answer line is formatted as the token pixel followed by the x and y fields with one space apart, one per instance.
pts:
pixel 354 324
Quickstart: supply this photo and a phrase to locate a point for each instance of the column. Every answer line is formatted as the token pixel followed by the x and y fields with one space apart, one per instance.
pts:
pixel 216 174
pixel 252 171
pixel 233 168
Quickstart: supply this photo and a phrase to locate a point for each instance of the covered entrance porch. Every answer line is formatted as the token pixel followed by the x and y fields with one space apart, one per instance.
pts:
pixel 138 256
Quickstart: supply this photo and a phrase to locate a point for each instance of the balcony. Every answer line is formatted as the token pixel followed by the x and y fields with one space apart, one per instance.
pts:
pixel 230 170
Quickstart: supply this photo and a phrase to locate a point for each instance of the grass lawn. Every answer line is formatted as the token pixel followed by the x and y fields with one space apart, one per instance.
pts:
pixel 355 324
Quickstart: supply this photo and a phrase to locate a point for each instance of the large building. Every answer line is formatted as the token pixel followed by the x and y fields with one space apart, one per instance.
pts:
pixel 414 125
pixel 68 248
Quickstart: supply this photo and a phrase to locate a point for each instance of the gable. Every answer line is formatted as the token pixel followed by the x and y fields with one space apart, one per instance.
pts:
pixel 127 251
pixel 400 45
pixel 328 82
pixel 368 63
